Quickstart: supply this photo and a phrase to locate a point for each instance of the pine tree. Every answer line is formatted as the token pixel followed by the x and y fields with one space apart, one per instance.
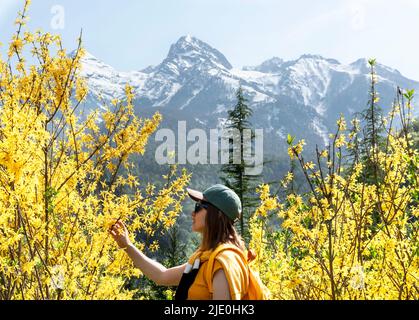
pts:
pixel 233 174
pixel 372 140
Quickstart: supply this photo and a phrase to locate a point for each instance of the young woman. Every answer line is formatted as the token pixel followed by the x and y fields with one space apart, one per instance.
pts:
pixel 224 277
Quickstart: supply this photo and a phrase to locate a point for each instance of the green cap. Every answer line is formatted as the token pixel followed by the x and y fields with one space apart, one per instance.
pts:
pixel 221 197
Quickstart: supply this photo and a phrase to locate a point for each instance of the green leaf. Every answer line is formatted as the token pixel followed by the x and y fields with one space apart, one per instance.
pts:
pixel 409 94
pixel 290 139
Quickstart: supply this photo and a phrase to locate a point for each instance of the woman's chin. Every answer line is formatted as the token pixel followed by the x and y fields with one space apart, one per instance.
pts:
pixel 194 229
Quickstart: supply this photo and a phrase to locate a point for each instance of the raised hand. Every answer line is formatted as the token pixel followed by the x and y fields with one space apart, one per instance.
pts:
pixel 120 234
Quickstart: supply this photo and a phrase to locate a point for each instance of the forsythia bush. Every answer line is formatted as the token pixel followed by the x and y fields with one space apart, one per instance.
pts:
pixel 347 238
pixel 60 179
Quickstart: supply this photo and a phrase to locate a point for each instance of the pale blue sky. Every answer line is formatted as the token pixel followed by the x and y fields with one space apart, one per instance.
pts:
pixel 132 34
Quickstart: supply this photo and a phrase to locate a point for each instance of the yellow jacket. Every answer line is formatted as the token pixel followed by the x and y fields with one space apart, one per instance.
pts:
pixel 234 263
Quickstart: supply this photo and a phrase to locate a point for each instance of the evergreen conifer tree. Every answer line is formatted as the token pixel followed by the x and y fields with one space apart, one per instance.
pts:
pixel 233 174
pixel 372 132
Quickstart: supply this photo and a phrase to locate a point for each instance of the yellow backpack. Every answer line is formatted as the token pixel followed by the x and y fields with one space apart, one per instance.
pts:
pixel 256 290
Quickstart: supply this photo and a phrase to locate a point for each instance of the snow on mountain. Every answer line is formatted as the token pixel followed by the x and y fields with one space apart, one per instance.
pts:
pixel 272 65
pixel 309 76
pixel 195 81
pixel 106 81
pixel 189 51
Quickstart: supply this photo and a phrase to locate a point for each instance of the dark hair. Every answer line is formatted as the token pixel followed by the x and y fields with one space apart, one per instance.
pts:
pixel 219 229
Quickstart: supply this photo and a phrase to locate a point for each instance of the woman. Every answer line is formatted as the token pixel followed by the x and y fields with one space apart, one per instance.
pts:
pixel 204 277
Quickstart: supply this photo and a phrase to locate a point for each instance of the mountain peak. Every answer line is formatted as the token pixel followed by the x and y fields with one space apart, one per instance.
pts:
pixel 317 57
pixel 187 38
pixel 188 41
pixel 361 65
pixel 86 56
pixel 189 50
pixel 268 66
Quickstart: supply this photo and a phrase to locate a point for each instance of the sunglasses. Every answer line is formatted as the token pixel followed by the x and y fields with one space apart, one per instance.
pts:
pixel 199 206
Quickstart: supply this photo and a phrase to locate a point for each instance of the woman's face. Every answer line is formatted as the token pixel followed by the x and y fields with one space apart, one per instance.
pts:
pixel 198 217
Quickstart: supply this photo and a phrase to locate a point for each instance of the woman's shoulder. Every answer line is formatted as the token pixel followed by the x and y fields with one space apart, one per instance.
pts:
pixel 234 263
pixel 197 254
pixel 229 253
pixel 222 252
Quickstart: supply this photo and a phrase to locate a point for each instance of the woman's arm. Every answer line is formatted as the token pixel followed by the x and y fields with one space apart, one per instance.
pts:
pixel 151 268
pixel 154 270
pixel 220 286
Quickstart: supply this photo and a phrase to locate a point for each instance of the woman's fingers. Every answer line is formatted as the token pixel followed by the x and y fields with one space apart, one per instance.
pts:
pixel 120 224
pixel 115 230
pixel 118 227
pixel 119 231
pixel 121 227
pixel 115 225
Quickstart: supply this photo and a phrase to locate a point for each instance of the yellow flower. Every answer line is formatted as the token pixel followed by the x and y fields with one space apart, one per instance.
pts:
pixel 309 165
pixel 341 124
pixel 55 175
pixel 324 154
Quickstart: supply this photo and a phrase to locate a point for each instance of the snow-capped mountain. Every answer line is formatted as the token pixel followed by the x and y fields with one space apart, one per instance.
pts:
pixel 196 83
pixel 272 65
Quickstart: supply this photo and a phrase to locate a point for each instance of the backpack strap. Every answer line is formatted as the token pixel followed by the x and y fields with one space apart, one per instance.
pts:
pixel 212 257
pixel 188 278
